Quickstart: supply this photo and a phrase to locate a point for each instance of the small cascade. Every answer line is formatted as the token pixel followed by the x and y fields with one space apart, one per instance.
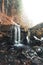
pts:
pixel 17 34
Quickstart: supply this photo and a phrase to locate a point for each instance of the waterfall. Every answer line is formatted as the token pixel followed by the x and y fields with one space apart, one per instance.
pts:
pixel 17 36
pixel 17 33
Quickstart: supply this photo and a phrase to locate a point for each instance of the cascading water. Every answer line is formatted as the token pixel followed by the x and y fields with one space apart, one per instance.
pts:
pixel 17 34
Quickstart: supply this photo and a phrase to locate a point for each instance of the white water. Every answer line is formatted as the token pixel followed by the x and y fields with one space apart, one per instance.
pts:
pixel 17 34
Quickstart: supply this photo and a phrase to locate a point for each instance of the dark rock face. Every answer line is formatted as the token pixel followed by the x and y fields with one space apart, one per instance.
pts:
pixel 21 54
pixel 36 43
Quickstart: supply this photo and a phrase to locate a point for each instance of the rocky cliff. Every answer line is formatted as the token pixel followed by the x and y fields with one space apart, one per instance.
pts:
pixel 37 30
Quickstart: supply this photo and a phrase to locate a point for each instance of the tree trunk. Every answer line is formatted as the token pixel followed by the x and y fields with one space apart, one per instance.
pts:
pixel 7 7
pixel 3 6
pixel 12 8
